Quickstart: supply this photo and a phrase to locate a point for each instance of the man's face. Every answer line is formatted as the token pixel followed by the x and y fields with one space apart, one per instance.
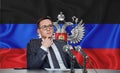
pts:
pixel 45 28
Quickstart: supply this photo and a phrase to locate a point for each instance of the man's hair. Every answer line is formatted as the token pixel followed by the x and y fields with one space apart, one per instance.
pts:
pixel 43 18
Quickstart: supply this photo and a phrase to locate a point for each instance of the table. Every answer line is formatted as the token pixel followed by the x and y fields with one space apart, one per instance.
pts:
pixel 57 71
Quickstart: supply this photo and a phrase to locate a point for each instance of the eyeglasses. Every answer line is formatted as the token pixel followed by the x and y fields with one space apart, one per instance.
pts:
pixel 45 27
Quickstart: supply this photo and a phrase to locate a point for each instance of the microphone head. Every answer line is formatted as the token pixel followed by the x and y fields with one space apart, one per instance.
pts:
pixel 78 48
pixel 66 48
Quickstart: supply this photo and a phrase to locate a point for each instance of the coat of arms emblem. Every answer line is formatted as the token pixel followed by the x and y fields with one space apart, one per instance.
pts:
pixel 72 32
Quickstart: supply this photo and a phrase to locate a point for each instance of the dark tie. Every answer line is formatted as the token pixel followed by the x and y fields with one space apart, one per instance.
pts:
pixel 54 59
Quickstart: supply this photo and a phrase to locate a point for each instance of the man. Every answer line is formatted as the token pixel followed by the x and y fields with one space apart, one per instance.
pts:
pixel 39 55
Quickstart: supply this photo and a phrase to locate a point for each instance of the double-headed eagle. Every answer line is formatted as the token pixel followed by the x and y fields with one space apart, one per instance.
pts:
pixel 76 32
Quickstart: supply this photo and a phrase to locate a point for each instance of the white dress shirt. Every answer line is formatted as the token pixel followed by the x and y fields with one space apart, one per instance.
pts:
pixel 57 54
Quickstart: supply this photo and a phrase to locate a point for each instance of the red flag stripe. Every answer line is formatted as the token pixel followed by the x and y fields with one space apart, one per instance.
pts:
pixel 98 58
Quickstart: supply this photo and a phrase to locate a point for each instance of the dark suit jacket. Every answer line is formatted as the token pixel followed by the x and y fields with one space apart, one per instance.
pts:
pixel 37 57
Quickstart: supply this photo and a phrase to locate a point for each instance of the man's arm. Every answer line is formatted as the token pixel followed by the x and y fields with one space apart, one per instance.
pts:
pixel 35 55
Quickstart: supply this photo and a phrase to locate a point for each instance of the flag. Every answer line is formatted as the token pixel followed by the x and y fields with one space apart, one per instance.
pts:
pixel 13 43
pixel 101 44
pixel 102 29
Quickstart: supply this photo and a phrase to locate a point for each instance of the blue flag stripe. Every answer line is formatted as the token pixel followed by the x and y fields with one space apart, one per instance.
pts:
pixel 96 35
pixel 16 35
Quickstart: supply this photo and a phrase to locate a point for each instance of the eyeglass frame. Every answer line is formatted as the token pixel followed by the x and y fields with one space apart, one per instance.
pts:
pixel 46 26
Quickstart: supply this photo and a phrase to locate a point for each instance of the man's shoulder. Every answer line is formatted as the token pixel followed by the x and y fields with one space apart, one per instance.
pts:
pixel 34 40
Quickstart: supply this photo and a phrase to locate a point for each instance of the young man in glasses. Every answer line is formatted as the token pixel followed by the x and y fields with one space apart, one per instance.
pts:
pixel 46 52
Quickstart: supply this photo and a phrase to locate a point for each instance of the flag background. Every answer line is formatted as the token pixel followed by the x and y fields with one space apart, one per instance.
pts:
pixel 102 29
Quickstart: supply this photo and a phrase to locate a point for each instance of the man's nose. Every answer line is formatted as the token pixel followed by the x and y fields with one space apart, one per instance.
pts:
pixel 48 28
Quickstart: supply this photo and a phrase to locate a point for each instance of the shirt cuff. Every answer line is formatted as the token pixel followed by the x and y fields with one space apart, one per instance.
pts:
pixel 45 49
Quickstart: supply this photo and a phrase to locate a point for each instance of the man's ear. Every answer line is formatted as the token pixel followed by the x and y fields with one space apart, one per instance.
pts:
pixel 38 31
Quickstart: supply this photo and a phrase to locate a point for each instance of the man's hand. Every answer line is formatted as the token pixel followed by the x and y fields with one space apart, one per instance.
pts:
pixel 47 42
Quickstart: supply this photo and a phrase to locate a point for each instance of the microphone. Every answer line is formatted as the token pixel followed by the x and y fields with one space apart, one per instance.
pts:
pixel 67 48
pixel 79 49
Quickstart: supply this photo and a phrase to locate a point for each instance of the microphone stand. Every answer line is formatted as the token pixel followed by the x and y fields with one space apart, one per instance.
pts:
pixel 72 64
pixel 84 65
